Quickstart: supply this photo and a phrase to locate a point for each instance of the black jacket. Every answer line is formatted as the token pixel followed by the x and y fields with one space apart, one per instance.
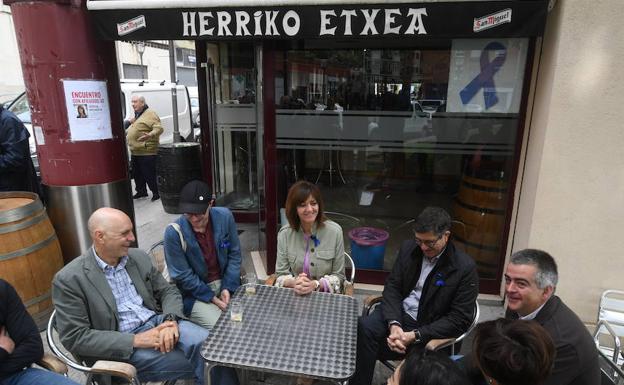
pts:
pixel 576 358
pixel 17 172
pixel 449 293
pixel 22 330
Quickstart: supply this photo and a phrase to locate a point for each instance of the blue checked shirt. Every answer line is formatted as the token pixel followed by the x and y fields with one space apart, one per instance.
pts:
pixel 130 307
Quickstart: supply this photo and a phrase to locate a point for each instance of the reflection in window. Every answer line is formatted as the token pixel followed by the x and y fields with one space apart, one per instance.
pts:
pixel 233 66
pixel 371 128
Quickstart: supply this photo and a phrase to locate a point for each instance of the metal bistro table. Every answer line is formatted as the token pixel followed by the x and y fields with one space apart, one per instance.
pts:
pixel 306 336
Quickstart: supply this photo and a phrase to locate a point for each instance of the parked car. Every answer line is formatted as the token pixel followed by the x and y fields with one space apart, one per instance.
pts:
pixel 158 96
pixel 21 108
pixel 7 99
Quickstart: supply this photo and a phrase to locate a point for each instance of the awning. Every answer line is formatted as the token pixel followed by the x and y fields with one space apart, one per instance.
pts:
pixel 320 19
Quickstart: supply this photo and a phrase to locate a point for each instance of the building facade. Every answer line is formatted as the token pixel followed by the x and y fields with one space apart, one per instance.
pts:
pixel 503 112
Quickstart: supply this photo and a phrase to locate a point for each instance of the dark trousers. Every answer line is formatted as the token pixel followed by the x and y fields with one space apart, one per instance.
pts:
pixel 144 171
pixel 372 345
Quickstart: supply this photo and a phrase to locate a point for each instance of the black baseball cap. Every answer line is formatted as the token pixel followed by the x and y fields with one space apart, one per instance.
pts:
pixel 195 197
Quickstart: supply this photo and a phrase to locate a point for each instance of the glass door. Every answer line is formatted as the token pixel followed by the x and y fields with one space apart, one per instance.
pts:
pixel 234 111
pixel 232 74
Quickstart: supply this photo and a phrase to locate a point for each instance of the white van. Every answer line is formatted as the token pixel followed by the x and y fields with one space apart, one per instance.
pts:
pixel 193 95
pixel 158 97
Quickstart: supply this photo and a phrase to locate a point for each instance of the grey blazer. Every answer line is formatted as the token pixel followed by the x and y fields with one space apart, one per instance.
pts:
pixel 86 312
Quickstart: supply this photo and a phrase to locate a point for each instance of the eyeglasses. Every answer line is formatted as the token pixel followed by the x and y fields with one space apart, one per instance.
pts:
pixel 431 243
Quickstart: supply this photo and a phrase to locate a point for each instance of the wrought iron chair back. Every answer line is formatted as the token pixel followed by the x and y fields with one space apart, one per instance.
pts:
pixel 371 303
pixel 121 370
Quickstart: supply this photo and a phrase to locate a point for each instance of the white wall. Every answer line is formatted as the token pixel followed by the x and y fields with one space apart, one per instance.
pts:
pixel 571 201
pixel 11 80
pixel 156 60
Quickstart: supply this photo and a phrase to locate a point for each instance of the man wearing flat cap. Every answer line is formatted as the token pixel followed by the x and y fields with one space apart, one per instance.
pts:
pixel 203 256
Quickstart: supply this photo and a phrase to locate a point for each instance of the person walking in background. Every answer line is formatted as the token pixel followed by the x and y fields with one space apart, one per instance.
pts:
pixel 143 138
pixel 203 255
pixel 310 248
pixel 20 344
pixel 513 352
pixel 17 172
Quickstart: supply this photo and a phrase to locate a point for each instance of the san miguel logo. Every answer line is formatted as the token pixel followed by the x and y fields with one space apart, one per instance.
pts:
pixel 345 22
pixel 131 25
pixel 492 20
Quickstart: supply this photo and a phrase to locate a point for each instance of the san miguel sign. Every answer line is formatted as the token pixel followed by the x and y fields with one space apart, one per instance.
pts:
pixel 357 21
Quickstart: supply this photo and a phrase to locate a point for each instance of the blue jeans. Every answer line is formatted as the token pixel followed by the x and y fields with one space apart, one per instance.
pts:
pixel 33 376
pixel 183 362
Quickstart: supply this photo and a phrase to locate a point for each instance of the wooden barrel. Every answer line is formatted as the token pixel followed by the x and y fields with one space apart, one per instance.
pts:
pixel 176 165
pixel 479 213
pixel 30 253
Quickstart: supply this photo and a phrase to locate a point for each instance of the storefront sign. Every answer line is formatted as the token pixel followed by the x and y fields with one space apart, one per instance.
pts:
pixel 288 23
pixel 88 112
pixel 131 25
pixel 360 20
pixel 490 21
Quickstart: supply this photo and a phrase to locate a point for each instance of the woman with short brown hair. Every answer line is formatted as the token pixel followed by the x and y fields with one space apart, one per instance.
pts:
pixel 310 248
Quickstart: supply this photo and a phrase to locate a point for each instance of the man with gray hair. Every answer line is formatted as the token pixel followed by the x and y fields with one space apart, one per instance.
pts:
pixel 143 137
pixel 530 282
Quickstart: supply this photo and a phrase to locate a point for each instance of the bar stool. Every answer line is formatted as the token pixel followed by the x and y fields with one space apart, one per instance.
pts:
pixel 331 169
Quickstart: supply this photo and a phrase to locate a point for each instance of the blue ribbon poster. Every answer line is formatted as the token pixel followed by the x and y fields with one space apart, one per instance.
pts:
pixel 486 75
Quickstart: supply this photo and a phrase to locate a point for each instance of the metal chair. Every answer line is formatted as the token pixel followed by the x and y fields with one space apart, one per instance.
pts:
pixel 610 372
pixel 371 303
pixel 121 370
pixel 53 364
pixel 348 284
pixel 157 253
pixel 609 330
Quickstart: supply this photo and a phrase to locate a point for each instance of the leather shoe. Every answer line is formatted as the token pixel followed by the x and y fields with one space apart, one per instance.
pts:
pixel 139 195
pixel 155 197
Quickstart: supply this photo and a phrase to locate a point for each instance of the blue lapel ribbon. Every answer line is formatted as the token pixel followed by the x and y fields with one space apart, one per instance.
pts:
pixel 485 79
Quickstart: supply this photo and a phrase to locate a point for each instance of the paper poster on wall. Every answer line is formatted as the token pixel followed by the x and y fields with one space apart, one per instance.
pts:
pixel 88 112
pixel 486 75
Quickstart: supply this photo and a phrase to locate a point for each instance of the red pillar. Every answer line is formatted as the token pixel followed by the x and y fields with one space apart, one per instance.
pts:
pixel 56 43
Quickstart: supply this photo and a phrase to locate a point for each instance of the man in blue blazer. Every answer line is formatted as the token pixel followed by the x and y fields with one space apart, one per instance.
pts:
pixel 203 256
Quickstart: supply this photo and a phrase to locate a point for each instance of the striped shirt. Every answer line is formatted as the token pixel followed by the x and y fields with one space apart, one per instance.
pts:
pixel 130 309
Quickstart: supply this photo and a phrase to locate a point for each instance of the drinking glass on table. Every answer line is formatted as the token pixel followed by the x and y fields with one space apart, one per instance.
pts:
pixel 250 280
pixel 236 310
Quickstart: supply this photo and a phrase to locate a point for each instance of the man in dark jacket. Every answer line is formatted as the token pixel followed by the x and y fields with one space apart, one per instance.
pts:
pixel 20 344
pixel 17 172
pixel 429 294
pixel 530 282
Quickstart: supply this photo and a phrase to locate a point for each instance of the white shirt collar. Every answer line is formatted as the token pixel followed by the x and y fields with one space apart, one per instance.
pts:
pixel 531 316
